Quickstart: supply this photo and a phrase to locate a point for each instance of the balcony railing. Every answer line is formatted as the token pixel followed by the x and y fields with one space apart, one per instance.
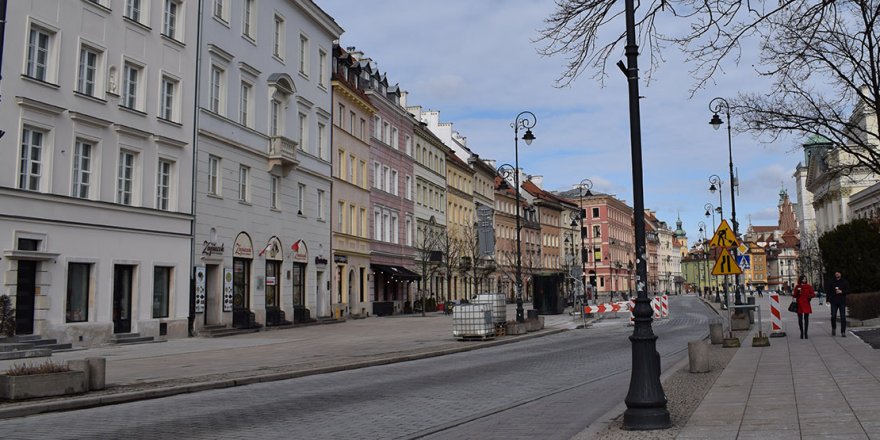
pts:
pixel 282 154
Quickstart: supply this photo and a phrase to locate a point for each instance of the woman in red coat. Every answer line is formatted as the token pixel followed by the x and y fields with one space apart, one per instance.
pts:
pixel 803 292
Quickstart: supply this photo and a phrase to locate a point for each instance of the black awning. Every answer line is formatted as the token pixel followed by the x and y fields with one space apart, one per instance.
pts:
pixel 396 272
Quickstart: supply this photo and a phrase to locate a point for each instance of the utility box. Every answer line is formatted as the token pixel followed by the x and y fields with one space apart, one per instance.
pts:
pixel 473 321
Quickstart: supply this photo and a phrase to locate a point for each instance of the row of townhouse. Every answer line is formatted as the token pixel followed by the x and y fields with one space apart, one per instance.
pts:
pixel 180 167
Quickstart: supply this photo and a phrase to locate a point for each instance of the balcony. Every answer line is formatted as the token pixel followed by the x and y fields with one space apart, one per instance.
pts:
pixel 282 154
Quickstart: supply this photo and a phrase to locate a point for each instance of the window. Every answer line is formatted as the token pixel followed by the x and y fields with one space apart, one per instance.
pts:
pixel 275 117
pixel 215 99
pixel 88 67
pixel 340 163
pixel 214 175
pixel 133 9
pixel 244 105
pixel 220 9
pixel 595 212
pixel 339 220
pixel 278 41
pixel 408 145
pixel 248 19
pixel 161 291
pixel 274 191
pixel 377 175
pixel 351 176
pixel 394 229
pixel 320 205
pixel 341 112
pixel 362 217
pixel 31 159
pixel 304 55
pixel 322 70
pixel 386 226
pixel 409 235
pixel 167 105
pixel 169 18
pixel 408 193
pixel 394 182
pixel 362 172
pixel 303 131
pixel 82 167
pixel 351 118
pixel 363 129
pixel 394 136
pixel 386 180
pixel 125 177
pixel 302 199
pixel 352 228
pixel 130 86
pixel 163 185
pixel 377 225
pixel 39 41
pixel 597 231
pixel 243 183
pixel 322 134
pixel 78 287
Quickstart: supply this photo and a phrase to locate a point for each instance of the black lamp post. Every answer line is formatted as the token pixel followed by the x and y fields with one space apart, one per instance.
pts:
pixel 716 105
pixel 715 185
pixel 705 246
pixel 645 399
pixel 584 188
pixel 527 121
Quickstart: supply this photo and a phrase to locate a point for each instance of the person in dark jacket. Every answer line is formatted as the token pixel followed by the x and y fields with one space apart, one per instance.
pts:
pixel 802 293
pixel 839 288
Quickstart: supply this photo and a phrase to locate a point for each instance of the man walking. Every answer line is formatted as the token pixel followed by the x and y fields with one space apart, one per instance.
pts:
pixel 839 288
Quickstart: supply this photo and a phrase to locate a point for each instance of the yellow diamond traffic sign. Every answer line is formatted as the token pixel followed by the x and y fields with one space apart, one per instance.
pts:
pixel 723 237
pixel 726 264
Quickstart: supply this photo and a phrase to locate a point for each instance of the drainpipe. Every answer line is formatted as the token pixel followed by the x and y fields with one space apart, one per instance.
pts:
pixel 195 148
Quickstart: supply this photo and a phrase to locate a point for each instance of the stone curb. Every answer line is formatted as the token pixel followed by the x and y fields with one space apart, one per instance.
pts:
pixel 124 397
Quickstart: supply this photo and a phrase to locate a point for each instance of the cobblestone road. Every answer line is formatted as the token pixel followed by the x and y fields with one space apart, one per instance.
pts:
pixel 551 387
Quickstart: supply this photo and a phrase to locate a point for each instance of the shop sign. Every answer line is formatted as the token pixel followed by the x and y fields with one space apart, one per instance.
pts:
pixel 200 289
pixel 227 289
pixel 320 260
pixel 300 252
pixel 340 259
pixel 243 248
pixel 270 281
pixel 210 248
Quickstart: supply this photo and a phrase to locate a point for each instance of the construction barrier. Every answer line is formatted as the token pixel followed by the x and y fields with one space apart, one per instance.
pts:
pixel 604 308
pixel 655 304
pixel 632 308
pixel 664 306
pixel 776 330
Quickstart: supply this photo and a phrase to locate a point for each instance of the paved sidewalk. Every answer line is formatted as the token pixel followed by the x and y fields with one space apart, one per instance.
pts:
pixel 143 371
pixel 821 387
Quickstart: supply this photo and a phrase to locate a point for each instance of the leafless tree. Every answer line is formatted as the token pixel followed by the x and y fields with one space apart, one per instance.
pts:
pixel 473 263
pixel 810 259
pixel 429 256
pixel 450 248
pixel 821 57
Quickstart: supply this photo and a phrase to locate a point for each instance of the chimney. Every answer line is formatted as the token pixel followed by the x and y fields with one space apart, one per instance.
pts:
pixel 403 95
pixel 538 181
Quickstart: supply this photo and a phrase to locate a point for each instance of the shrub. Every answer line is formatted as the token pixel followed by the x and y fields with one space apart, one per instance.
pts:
pixel 431 305
pixel 7 317
pixel 28 369
pixel 863 306
pixel 851 248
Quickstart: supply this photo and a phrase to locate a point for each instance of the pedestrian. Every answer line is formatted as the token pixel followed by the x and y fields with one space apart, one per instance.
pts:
pixel 837 299
pixel 802 293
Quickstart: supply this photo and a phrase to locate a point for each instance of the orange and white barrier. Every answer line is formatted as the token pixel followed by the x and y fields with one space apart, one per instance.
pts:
pixel 632 308
pixel 655 304
pixel 664 306
pixel 603 308
pixel 776 330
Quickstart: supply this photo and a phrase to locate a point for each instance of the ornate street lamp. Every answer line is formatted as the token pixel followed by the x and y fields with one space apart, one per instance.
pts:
pixel 645 399
pixel 584 187
pixel 716 105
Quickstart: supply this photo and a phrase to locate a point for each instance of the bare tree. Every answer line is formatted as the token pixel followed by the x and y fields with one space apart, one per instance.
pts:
pixel 810 259
pixel 473 263
pixel 821 57
pixel 450 248
pixel 429 257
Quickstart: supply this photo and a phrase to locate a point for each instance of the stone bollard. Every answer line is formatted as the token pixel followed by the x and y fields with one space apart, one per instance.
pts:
pixel 698 356
pixel 716 333
pixel 80 365
pixel 97 373
pixel 751 302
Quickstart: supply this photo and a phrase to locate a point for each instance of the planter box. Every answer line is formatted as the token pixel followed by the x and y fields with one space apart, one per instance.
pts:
pixel 42 385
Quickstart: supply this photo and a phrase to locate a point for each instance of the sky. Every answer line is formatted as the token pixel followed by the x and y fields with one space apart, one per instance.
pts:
pixel 477 62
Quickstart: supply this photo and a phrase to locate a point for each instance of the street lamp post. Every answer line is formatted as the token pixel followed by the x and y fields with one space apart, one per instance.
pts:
pixel 705 246
pixel 524 120
pixel 645 399
pixel 586 184
pixel 716 105
pixel 715 185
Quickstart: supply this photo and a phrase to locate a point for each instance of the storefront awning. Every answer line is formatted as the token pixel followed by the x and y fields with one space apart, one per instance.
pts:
pixel 396 272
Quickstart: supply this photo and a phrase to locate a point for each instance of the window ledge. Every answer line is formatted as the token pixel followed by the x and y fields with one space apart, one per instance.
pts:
pixel 174 40
pixel 214 196
pixel 89 97
pixel 40 82
pixel 137 23
pixel 169 122
pixel 132 110
pixel 244 202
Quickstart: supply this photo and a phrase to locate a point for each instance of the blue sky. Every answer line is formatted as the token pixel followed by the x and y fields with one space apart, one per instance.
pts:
pixel 477 63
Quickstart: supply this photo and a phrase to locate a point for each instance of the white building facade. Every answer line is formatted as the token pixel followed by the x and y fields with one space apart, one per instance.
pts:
pixel 95 187
pixel 263 188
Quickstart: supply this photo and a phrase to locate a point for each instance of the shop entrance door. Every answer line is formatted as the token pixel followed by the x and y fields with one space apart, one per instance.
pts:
pixel 24 297
pixel 123 275
pixel 241 275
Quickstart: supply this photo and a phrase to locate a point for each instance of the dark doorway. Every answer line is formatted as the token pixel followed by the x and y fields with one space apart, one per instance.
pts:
pixel 123 278
pixel 241 275
pixel 24 297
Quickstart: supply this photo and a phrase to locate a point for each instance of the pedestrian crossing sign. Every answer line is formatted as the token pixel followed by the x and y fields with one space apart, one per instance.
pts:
pixel 726 264
pixel 724 237
pixel 744 261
